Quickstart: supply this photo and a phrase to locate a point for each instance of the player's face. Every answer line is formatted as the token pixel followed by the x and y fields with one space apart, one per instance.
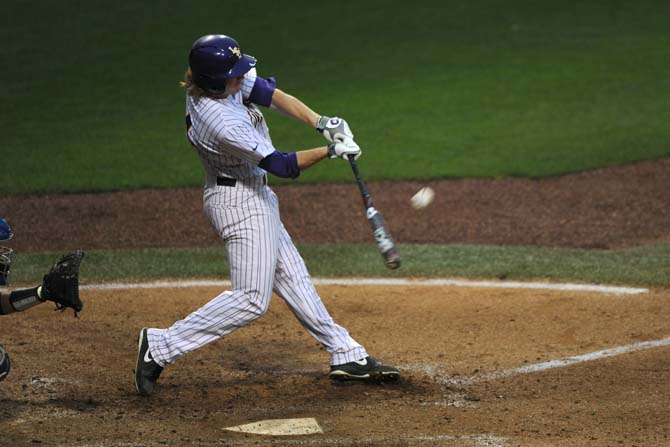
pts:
pixel 233 85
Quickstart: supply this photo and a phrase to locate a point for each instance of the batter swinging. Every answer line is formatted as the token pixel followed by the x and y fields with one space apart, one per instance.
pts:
pixel 229 134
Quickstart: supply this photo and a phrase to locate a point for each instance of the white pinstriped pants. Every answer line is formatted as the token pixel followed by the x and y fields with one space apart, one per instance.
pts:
pixel 262 258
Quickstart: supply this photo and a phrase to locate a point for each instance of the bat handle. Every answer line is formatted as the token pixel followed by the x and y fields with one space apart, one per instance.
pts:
pixel 359 179
pixel 354 164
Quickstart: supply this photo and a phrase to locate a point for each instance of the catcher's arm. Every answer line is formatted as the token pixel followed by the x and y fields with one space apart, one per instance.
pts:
pixel 61 284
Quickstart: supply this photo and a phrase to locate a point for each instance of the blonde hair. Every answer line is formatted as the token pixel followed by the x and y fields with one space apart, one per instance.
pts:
pixel 190 87
pixel 193 90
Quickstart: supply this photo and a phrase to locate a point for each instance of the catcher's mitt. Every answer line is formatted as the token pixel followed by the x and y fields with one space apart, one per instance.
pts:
pixel 61 284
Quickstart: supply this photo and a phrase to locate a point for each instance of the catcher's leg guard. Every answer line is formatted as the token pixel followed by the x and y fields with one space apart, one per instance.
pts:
pixel 5 364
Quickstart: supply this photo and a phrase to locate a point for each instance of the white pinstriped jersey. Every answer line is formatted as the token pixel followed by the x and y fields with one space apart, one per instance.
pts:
pixel 230 134
pixel 231 138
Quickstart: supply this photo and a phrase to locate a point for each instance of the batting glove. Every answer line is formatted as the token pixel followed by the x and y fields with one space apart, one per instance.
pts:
pixel 335 130
pixel 344 149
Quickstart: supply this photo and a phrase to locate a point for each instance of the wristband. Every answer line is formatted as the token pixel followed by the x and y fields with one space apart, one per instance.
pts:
pixel 331 150
pixel 321 123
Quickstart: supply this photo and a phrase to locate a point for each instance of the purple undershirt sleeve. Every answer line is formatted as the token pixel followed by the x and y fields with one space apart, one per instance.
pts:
pixel 262 91
pixel 281 164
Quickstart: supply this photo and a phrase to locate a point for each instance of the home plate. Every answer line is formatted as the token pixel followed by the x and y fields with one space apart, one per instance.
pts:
pixel 280 427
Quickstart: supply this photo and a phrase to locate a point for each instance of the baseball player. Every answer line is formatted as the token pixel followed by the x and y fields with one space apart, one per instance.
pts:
pixel 60 285
pixel 228 132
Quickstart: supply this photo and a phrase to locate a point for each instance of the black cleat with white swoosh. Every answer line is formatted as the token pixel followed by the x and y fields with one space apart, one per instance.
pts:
pixel 368 369
pixel 147 370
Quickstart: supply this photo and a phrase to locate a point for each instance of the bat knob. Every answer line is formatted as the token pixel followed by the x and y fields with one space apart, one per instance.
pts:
pixel 393 263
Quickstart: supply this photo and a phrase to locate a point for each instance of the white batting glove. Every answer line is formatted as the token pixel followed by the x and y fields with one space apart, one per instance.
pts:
pixel 344 149
pixel 335 130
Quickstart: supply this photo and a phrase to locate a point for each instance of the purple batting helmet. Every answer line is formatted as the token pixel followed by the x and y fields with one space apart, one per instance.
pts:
pixel 215 58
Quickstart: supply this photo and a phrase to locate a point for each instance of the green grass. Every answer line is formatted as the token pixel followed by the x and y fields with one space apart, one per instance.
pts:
pixel 637 266
pixel 432 89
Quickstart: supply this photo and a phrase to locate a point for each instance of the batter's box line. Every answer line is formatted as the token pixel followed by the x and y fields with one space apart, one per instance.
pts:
pixel 476 440
pixel 479 440
pixel 445 282
pixel 434 371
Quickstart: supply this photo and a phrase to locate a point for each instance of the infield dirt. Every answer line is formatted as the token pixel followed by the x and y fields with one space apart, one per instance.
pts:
pixel 72 382
pixel 606 208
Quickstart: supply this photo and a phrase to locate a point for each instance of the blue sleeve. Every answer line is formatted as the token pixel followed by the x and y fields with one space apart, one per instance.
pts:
pixel 262 91
pixel 281 164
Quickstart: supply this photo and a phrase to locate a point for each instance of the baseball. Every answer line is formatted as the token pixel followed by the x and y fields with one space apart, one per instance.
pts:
pixel 422 198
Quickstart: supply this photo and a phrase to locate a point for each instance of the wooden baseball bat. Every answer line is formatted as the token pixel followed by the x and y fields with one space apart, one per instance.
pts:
pixel 380 231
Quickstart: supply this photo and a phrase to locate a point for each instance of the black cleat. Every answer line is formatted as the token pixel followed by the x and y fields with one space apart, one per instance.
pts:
pixel 147 370
pixel 369 369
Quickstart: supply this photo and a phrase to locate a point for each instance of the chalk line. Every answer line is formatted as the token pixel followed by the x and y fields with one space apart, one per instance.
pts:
pixel 388 282
pixel 444 379
pixel 476 440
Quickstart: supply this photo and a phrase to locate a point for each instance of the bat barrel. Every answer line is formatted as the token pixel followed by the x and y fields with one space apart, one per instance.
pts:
pixel 380 232
pixel 392 259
